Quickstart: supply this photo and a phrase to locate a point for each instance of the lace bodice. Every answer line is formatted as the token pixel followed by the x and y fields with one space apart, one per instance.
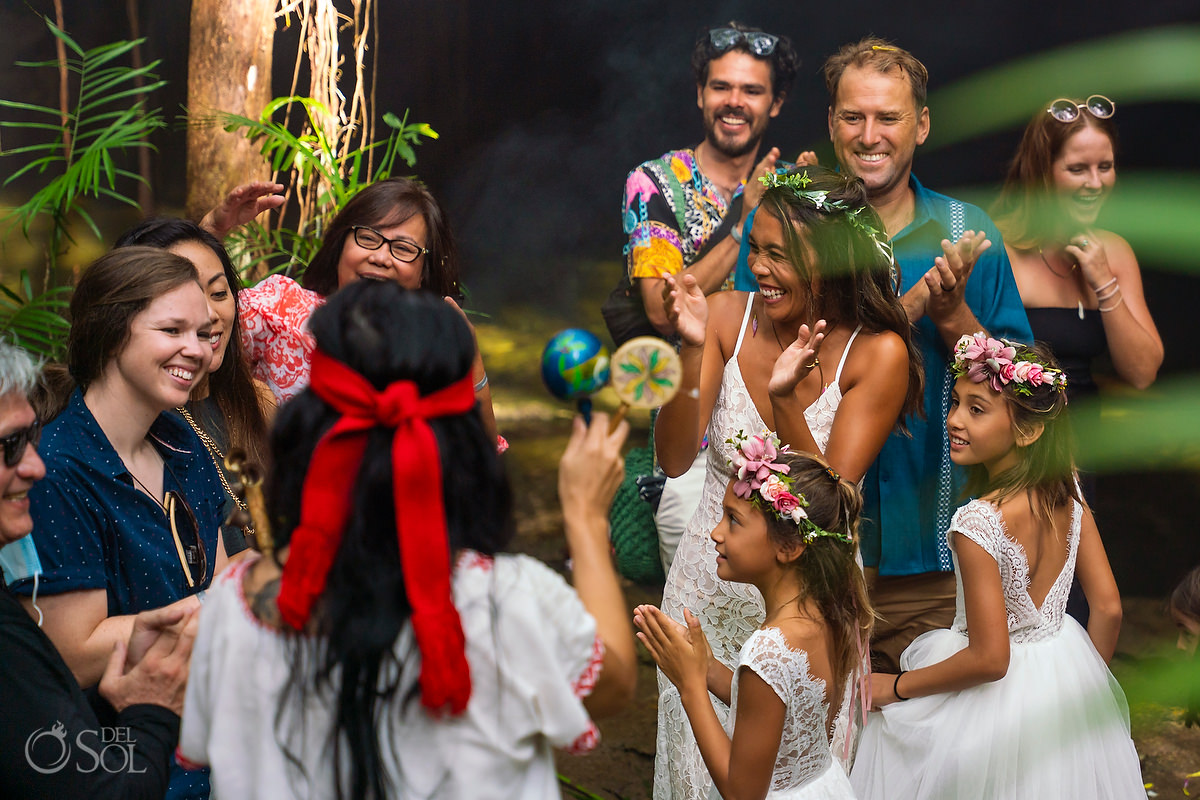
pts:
pixel 983 524
pixel 804 747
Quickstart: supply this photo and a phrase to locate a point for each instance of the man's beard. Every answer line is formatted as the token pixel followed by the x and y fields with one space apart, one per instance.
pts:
pixel 732 148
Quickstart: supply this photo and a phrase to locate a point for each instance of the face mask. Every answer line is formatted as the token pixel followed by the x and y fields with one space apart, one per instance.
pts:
pixel 20 560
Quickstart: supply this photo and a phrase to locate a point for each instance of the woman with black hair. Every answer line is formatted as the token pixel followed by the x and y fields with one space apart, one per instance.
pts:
pixel 393 230
pixel 389 648
pixel 226 406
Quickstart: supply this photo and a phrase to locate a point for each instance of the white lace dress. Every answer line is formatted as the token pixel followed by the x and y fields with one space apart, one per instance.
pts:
pixel 1055 726
pixel 804 767
pixel 728 612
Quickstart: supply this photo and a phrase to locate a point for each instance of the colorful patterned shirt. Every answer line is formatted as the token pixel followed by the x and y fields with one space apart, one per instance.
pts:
pixel 671 209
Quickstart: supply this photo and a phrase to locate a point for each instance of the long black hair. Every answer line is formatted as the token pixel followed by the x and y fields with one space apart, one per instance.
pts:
pixel 385 334
pixel 231 386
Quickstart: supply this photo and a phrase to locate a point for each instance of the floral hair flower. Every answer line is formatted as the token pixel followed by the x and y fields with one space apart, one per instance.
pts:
pixel 982 358
pixel 798 182
pixel 766 484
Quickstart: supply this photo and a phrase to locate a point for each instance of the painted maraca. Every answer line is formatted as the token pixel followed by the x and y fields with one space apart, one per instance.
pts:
pixel 575 366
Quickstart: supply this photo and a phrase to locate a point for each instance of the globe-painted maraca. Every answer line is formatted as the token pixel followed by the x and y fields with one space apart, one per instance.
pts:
pixel 575 366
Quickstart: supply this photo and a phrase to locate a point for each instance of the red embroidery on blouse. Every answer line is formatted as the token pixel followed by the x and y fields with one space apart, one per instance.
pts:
pixel 585 742
pixel 591 673
pixel 185 763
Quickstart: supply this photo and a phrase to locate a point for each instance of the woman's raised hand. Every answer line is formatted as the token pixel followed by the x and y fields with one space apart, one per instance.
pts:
pixel 1087 249
pixel 686 308
pixel 242 205
pixel 797 360
pixel 682 653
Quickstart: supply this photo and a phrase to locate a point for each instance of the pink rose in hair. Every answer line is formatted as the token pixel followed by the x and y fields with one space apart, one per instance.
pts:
pixel 1008 371
pixel 1036 376
pixel 787 503
pixel 772 488
pixel 1022 371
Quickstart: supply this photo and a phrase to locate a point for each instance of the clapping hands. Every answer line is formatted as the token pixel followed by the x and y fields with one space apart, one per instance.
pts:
pixel 682 653
pixel 797 360
pixel 686 308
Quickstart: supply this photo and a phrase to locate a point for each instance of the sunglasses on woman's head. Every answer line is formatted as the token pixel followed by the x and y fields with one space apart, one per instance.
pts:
pixel 1097 105
pixel 15 443
pixel 192 556
pixel 760 43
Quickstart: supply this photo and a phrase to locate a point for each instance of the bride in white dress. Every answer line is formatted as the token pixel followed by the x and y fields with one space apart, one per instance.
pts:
pixel 789 527
pixel 753 362
pixel 1015 701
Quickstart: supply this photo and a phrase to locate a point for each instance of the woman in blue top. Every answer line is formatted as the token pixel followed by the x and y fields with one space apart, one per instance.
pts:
pixel 127 517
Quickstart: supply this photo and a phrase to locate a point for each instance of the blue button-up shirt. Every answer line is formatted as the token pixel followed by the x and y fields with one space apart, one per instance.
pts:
pixel 95 530
pixel 900 529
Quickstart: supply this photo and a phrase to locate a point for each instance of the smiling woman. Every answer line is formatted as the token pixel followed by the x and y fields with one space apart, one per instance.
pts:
pixel 227 408
pixel 1081 285
pixel 392 230
pixel 128 513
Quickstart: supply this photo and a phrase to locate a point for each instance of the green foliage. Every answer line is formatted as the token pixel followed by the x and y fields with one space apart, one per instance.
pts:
pixel 35 322
pixel 322 177
pixel 78 157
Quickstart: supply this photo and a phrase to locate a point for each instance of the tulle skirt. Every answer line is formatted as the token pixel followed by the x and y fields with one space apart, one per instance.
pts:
pixel 832 784
pixel 1056 726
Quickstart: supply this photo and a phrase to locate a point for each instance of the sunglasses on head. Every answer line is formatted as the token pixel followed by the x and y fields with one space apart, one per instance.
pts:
pixel 189 548
pixel 760 43
pixel 1097 105
pixel 14 444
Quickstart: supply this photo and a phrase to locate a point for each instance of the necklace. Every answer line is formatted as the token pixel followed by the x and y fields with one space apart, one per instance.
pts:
pixel 1079 302
pixel 146 489
pixel 1042 255
pixel 217 456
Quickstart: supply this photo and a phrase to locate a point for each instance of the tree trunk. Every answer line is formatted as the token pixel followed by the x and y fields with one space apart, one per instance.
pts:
pixel 229 69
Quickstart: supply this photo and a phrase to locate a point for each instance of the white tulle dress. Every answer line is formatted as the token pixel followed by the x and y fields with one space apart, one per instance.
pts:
pixel 805 768
pixel 1055 726
pixel 728 612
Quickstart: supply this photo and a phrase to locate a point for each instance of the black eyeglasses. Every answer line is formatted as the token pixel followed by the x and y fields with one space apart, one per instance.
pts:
pixel 192 555
pixel 760 43
pixel 14 444
pixel 401 249
pixel 1097 105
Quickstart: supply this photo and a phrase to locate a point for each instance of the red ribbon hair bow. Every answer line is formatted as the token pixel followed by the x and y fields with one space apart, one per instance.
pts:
pixel 325 508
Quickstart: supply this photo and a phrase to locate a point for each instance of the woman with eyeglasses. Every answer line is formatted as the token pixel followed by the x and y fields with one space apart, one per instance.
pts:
pixel 1080 285
pixel 226 407
pixel 127 517
pixel 392 230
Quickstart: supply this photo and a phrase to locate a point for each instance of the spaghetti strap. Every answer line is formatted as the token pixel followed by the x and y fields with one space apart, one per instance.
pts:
pixel 742 333
pixel 837 378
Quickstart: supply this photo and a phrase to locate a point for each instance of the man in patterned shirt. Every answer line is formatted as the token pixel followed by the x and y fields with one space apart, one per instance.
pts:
pixel 683 211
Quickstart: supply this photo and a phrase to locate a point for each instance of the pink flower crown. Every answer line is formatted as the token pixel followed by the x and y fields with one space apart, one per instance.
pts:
pixel 980 358
pixel 766 484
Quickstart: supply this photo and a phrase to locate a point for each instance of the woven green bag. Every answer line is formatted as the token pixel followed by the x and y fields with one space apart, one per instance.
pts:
pixel 631 523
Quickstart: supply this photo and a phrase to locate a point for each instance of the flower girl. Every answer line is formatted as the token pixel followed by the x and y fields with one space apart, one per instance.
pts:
pixel 1015 700
pixel 789 528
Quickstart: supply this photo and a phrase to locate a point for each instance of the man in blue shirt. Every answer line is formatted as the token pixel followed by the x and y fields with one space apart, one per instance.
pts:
pixel 951 283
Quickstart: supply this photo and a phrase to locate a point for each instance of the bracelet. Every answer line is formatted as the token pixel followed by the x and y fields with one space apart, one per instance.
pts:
pixel 896 687
pixel 1100 289
pixel 735 233
pixel 692 393
pixel 482 383
pixel 1115 305
pixel 1110 294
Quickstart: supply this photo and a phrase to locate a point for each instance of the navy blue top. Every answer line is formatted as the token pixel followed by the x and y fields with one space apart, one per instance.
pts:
pixel 94 529
pixel 900 532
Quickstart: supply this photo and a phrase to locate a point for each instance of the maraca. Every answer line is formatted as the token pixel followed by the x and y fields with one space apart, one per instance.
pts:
pixel 575 366
pixel 646 372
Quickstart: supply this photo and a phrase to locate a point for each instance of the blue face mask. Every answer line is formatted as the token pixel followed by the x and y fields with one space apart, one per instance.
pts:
pixel 20 560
